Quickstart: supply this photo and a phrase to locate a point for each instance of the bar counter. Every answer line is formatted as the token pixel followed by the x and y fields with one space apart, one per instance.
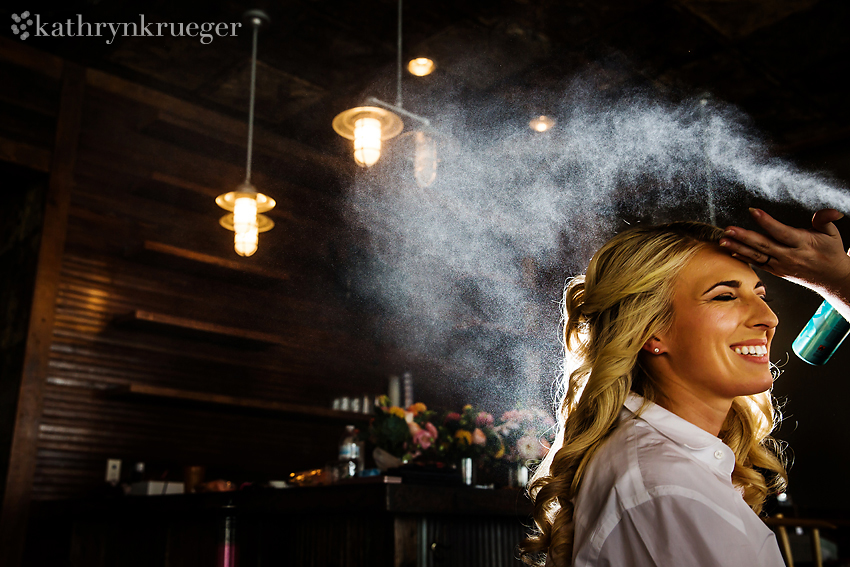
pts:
pixel 374 523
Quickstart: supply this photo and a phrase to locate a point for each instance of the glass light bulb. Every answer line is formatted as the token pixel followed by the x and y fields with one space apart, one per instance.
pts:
pixel 367 141
pixel 541 123
pixel 245 226
pixel 420 66
pixel 424 160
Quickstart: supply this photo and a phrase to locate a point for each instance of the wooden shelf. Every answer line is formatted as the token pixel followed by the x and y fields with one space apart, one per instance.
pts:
pixel 193 327
pixel 160 253
pixel 158 393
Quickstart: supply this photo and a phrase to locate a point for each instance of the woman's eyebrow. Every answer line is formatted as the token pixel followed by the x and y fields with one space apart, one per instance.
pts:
pixel 732 283
pixel 728 283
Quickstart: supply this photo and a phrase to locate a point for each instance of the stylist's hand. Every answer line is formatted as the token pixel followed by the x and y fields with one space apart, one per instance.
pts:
pixel 812 257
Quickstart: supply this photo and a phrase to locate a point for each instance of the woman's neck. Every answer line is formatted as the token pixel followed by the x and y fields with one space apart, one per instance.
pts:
pixel 707 414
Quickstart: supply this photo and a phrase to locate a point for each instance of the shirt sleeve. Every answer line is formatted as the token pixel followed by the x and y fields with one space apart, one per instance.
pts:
pixel 685 532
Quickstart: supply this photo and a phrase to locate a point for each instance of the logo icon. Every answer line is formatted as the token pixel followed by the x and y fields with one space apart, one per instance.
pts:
pixel 19 27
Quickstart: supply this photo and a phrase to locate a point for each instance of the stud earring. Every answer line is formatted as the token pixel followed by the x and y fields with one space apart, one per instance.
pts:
pixel 656 350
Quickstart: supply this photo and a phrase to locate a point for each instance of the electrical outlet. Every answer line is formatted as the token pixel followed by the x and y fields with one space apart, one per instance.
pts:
pixel 113 471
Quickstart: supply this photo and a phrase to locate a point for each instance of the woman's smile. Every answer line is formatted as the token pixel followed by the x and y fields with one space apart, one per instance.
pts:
pixel 754 351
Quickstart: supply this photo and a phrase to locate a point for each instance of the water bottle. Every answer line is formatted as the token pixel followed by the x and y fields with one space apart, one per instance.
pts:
pixel 821 336
pixel 350 453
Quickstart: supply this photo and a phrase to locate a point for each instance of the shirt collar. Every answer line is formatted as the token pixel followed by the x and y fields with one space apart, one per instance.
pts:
pixel 700 444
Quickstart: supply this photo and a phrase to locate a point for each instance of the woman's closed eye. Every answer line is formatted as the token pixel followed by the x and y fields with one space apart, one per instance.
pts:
pixel 731 297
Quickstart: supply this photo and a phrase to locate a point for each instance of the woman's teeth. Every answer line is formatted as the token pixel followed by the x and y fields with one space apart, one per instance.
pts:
pixel 755 350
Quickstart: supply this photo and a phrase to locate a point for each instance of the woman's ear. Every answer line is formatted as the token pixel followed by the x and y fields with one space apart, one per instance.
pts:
pixel 653 345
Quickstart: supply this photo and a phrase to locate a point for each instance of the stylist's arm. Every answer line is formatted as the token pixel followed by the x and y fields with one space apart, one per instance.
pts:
pixel 812 257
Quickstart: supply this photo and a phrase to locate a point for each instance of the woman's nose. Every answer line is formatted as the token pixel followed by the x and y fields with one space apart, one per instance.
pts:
pixel 763 316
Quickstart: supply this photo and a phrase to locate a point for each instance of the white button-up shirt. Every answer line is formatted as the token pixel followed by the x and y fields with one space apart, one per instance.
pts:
pixel 659 493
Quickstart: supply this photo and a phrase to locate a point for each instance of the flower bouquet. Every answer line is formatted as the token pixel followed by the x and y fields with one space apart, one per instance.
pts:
pixel 400 435
pixel 417 439
pixel 528 434
pixel 470 433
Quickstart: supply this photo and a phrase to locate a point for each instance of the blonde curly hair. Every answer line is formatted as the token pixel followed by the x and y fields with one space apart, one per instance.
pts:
pixel 624 299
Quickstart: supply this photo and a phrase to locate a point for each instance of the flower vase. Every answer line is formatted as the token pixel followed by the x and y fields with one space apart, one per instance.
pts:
pixel 517 475
pixel 468 471
pixel 385 460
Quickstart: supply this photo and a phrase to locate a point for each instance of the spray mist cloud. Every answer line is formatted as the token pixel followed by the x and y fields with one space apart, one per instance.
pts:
pixel 459 266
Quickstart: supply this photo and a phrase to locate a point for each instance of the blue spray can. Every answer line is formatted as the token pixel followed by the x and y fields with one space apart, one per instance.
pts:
pixel 821 336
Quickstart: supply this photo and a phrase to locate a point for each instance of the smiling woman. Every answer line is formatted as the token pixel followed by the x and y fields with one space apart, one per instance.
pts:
pixel 664 448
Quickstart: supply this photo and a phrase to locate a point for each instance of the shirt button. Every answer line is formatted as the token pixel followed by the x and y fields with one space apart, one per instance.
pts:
pixel 718 454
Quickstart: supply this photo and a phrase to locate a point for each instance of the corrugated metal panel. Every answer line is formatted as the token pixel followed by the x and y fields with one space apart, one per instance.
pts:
pixel 458 541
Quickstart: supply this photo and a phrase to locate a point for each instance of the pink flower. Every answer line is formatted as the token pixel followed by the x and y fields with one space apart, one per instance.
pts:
pixel 414 428
pixel 453 416
pixel 478 437
pixel 424 437
pixel 512 415
pixel 528 447
pixel 431 429
pixel 484 419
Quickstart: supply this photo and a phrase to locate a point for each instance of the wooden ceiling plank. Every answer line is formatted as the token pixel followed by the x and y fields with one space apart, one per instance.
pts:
pixel 14 52
pixel 25 154
pixel 212 121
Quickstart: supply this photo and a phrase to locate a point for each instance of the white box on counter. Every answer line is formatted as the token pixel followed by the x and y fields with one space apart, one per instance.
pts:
pixel 156 488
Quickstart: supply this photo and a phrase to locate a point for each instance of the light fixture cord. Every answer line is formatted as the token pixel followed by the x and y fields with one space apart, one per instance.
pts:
pixel 256 22
pixel 398 72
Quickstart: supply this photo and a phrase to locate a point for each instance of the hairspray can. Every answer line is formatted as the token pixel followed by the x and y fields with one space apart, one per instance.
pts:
pixel 821 336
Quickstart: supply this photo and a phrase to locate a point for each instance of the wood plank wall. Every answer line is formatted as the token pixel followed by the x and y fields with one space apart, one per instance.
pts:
pixel 147 170
pixel 143 177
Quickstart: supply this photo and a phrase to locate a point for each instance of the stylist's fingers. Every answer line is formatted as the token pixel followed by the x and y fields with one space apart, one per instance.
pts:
pixel 823 219
pixel 748 245
pixel 782 233
pixel 747 242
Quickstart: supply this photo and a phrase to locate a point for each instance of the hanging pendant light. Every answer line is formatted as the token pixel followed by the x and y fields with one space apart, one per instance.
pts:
pixel 245 219
pixel 541 123
pixel 421 66
pixel 246 203
pixel 368 126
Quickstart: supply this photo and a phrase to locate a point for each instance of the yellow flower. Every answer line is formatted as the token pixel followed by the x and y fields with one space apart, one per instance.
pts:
pixel 467 407
pixel 501 452
pixel 417 408
pixel 397 411
pixel 464 435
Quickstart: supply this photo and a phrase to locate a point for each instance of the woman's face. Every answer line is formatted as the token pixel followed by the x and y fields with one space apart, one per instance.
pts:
pixel 719 344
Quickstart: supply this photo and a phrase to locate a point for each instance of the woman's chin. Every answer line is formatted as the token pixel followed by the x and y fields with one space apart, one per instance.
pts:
pixel 758 384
